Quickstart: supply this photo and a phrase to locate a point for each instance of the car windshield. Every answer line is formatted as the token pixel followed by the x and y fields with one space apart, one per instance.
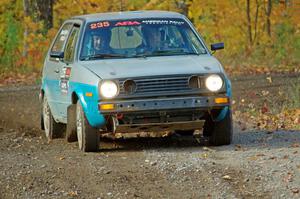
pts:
pixel 139 38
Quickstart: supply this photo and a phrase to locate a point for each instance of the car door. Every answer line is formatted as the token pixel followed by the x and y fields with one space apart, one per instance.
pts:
pixel 52 71
pixel 65 71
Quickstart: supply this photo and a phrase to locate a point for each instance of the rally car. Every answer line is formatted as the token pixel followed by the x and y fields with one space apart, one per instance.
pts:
pixel 130 72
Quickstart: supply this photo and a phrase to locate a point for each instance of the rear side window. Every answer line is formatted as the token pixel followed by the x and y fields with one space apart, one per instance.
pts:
pixel 70 46
pixel 61 38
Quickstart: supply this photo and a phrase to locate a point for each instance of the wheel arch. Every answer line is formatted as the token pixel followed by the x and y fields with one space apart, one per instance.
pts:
pixel 89 106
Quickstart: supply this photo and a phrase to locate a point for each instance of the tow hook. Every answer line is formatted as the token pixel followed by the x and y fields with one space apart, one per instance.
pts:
pixel 112 124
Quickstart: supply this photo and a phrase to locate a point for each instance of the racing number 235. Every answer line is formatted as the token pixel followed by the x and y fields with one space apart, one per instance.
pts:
pixel 99 25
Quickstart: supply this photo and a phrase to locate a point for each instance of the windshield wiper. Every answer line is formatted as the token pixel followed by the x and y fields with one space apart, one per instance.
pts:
pixel 104 55
pixel 190 53
pixel 173 52
pixel 166 51
pixel 142 55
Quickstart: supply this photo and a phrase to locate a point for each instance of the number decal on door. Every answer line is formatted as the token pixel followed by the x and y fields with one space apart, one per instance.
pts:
pixel 64 79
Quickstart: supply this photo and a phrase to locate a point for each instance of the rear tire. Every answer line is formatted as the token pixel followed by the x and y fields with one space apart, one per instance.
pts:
pixel 52 128
pixel 219 132
pixel 88 137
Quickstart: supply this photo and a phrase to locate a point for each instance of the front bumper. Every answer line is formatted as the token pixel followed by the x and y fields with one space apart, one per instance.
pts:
pixel 183 113
pixel 164 104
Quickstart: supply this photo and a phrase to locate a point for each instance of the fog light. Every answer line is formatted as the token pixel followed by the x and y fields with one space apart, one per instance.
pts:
pixel 106 107
pixel 221 100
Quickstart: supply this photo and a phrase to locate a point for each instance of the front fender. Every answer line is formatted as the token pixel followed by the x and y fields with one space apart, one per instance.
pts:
pixel 88 97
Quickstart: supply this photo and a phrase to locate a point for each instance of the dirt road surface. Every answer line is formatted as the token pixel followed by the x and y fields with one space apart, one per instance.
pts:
pixel 257 164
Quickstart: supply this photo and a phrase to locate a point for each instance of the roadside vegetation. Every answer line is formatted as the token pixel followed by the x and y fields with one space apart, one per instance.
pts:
pixel 270 105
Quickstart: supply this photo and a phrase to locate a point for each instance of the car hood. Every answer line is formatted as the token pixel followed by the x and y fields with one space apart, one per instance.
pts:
pixel 153 66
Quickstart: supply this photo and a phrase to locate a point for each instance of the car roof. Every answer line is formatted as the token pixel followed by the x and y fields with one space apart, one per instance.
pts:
pixel 128 15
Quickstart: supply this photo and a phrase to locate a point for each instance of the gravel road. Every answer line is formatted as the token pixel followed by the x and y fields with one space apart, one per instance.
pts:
pixel 259 164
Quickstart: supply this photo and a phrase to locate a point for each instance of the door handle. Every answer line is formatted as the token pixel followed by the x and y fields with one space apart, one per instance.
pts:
pixel 56 70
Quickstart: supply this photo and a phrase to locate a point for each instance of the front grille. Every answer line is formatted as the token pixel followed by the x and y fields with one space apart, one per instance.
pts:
pixel 162 85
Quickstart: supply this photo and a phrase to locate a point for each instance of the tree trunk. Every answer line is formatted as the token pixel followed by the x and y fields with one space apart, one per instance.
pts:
pixel 249 22
pixel 45 12
pixel 268 13
pixel 25 34
pixel 256 20
pixel 182 5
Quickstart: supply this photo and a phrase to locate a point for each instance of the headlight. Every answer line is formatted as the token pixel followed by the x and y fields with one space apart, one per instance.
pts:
pixel 108 89
pixel 214 83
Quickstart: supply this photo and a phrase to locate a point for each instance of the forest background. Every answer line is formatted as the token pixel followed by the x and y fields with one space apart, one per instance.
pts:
pixel 260 35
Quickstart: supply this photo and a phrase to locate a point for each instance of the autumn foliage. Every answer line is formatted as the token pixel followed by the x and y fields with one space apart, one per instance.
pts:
pixel 259 35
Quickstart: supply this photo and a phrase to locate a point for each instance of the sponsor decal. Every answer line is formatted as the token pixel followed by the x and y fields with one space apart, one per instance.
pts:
pixel 64 32
pixel 62 38
pixel 64 86
pixel 64 80
pixel 163 22
pixel 127 23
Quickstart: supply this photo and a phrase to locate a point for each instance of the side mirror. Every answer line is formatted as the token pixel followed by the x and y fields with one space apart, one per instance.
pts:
pixel 217 46
pixel 59 55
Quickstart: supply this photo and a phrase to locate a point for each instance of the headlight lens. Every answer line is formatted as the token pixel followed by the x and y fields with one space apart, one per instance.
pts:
pixel 109 89
pixel 214 83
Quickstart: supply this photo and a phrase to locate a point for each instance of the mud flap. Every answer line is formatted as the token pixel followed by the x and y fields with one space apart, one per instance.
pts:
pixel 42 122
pixel 42 118
pixel 71 134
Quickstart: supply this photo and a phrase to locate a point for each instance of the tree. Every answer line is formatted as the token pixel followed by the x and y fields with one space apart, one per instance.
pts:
pixel 25 34
pixel 268 14
pixel 44 9
pixel 249 25
pixel 40 11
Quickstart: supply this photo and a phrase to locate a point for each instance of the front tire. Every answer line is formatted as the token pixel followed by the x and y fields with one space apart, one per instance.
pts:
pixel 52 128
pixel 219 132
pixel 88 137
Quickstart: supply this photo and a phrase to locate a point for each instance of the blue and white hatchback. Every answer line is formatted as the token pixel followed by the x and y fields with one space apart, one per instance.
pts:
pixel 132 72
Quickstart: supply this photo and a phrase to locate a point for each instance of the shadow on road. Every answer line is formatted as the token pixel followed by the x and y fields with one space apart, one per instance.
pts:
pixel 248 139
